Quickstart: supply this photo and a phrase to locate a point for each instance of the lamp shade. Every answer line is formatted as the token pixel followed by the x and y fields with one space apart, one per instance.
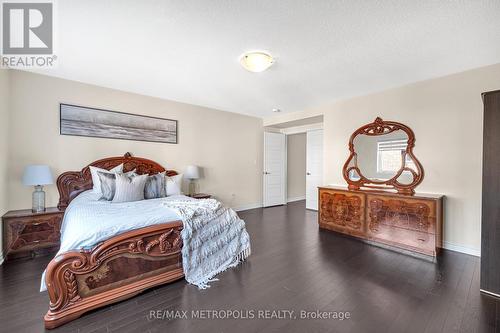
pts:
pixel 37 175
pixel 192 172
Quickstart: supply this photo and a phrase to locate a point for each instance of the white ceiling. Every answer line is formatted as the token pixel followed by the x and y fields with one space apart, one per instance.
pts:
pixel 326 50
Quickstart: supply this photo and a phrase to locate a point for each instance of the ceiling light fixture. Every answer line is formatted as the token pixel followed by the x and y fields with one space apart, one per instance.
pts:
pixel 256 61
pixel 276 110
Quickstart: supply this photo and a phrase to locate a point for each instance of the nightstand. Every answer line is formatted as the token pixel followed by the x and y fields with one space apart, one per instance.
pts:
pixel 200 196
pixel 26 234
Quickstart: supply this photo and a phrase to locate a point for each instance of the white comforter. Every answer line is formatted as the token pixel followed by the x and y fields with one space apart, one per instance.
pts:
pixel 88 221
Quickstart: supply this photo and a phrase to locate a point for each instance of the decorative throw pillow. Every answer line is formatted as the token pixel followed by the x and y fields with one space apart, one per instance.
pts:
pixel 129 188
pixel 155 186
pixel 108 184
pixel 174 185
pixel 95 177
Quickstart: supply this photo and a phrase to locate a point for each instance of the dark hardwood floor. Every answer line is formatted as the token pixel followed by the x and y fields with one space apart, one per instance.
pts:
pixel 294 266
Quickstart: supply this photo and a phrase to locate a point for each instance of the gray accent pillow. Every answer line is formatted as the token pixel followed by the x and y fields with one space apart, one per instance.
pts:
pixel 108 183
pixel 129 188
pixel 96 184
pixel 155 186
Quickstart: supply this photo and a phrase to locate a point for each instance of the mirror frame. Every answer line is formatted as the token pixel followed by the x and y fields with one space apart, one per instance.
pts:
pixel 381 127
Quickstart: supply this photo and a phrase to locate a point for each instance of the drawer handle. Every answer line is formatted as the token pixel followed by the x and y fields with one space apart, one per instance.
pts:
pixel 422 240
pixel 36 241
pixel 36 223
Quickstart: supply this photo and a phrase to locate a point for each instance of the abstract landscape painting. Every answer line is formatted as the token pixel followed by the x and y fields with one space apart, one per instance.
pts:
pixel 83 121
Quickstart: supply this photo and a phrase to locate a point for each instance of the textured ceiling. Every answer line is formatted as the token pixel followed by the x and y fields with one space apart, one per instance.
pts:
pixel 326 50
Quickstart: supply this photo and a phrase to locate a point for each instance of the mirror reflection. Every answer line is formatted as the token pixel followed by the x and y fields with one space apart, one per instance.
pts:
pixel 380 157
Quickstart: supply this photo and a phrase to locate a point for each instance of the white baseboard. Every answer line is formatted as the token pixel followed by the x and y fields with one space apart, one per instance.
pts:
pixel 462 249
pixel 247 207
pixel 296 199
pixel 259 205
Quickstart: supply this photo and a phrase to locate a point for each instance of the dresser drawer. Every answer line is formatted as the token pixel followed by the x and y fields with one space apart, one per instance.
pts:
pixel 411 214
pixel 404 238
pixel 407 205
pixel 342 211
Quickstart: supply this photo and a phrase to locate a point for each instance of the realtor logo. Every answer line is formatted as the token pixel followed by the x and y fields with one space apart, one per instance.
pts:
pixel 27 29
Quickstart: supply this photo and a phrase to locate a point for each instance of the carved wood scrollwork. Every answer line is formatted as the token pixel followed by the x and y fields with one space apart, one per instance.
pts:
pixel 398 213
pixel 71 287
pixel 70 184
pixel 381 127
pixel 341 210
pixel 153 241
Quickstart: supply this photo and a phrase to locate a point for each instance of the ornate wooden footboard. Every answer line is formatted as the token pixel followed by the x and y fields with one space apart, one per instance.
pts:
pixel 118 268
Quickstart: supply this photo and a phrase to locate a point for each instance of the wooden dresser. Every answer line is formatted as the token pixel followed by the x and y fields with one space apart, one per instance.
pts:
pixel 26 234
pixel 408 222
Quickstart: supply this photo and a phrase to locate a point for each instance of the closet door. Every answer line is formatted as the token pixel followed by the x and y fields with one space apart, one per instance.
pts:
pixel 274 169
pixel 314 167
pixel 490 230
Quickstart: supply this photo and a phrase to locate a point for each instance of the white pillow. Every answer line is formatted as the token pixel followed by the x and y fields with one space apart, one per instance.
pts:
pixel 174 185
pixel 95 176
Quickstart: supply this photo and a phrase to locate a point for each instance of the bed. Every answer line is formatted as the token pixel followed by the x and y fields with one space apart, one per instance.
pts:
pixel 118 267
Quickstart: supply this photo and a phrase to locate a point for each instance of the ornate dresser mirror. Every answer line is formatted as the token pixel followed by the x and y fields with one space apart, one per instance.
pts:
pixel 381 157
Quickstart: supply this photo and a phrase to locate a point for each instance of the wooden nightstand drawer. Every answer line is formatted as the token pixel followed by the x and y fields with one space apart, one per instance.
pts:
pixel 37 227
pixel 200 196
pixel 25 232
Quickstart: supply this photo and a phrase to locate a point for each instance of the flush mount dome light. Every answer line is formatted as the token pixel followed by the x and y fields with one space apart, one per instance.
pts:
pixel 256 61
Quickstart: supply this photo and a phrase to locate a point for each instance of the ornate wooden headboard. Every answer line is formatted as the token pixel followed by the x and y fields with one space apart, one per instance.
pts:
pixel 70 184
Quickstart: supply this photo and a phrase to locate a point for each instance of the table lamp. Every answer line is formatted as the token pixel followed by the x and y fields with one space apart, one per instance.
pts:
pixel 37 175
pixel 192 173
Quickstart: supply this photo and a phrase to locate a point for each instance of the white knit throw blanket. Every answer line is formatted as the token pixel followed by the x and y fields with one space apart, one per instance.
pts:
pixel 214 238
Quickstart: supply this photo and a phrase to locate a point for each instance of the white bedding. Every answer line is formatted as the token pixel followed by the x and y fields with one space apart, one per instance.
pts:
pixel 89 221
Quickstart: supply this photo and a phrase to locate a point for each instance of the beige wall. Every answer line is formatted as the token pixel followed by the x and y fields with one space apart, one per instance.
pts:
pixel 227 146
pixel 445 113
pixel 296 165
pixel 446 116
pixel 4 133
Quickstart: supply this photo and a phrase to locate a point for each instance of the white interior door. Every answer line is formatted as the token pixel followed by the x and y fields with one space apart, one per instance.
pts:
pixel 314 167
pixel 274 169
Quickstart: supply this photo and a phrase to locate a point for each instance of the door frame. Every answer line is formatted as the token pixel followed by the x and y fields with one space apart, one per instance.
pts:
pixel 284 171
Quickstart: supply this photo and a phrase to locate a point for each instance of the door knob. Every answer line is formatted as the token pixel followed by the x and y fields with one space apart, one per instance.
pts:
pixel 267 173
pixel 308 173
